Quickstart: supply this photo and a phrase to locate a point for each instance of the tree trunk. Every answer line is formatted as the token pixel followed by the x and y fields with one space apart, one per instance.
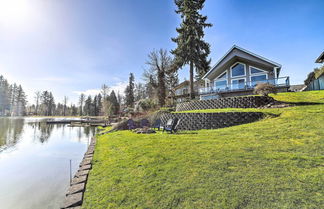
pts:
pixel 191 83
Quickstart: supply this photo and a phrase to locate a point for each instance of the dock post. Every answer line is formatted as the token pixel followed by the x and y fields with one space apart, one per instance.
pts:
pixel 70 172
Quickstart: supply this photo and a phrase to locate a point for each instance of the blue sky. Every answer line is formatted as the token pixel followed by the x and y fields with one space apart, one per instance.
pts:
pixel 73 46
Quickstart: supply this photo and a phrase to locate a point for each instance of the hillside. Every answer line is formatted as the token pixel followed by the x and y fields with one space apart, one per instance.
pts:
pixel 277 162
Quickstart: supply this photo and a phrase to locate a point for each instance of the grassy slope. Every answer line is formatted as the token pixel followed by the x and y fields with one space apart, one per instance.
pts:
pixel 273 163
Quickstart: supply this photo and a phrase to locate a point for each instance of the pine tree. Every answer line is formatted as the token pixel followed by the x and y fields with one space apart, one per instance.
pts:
pixel 114 102
pixel 81 102
pixel 87 106
pixel 171 82
pixel 99 104
pixel 21 102
pixel 129 91
pixel 191 48
pixel 65 100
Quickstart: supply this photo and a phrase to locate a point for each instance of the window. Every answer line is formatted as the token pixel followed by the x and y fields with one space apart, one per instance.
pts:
pixel 222 76
pixel 221 84
pixel 255 70
pixel 258 79
pixel 238 83
pixel 238 69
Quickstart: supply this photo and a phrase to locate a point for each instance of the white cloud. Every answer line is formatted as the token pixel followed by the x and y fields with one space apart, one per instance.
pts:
pixel 119 87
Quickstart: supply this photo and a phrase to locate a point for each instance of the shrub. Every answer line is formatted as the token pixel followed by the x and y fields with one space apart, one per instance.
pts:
pixel 265 89
pixel 145 105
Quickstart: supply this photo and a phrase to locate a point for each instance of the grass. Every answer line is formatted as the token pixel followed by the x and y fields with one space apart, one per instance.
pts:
pixel 273 163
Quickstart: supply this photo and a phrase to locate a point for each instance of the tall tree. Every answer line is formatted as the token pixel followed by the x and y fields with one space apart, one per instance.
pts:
pixel 37 97
pixel 172 81
pixel 191 48
pixel 129 91
pixel 104 91
pixel 81 102
pixel 47 103
pixel 159 63
pixel 88 106
pixel 114 102
pixel 99 104
pixel 65 100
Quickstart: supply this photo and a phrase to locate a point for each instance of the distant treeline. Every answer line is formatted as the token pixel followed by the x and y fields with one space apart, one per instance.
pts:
pixel 12 99
pixel 88 106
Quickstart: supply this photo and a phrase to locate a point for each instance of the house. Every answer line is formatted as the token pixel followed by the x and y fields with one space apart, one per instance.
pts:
pixel 320 59
pixel 181 91
pixel 315 80
pixel 238 72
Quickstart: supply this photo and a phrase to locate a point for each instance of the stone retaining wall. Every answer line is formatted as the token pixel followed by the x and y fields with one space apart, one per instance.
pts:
pixel 75 193
pixel 197 121
pixel 227 102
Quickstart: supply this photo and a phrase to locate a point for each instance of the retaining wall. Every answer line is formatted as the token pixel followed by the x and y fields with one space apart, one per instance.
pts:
pixel 227 102
pixel 75 193
pixel 197 121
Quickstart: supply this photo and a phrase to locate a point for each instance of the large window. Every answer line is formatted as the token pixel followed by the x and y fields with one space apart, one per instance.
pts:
pixel 238 83
pixel 255 70
pixel 258 79
pixel 238 69
pixel 222 76
pixel 258 76
pixel 221 81
pixel 220 84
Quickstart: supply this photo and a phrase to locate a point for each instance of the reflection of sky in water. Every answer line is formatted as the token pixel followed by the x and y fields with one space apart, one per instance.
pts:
pixel 34 171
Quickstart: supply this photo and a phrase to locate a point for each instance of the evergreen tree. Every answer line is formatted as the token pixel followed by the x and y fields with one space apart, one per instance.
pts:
pixel 88 106
pixel 99 104
pixel 191 48
pixel 81 102
pixel 171 82
pixel 95 105
pixel 47 103
pixel 21 102
pixel 114 102
pixel 65 100
pixel 129 91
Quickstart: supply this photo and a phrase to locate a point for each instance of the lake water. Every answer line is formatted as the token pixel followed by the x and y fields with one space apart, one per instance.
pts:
pixel 35 161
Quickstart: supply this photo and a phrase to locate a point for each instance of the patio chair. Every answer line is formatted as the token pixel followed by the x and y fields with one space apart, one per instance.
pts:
pixel 145 123
pixel 157 124
pixel 131 124
pixel 171 125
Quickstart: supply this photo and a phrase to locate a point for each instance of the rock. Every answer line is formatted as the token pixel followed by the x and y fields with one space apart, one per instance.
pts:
pixel 85 167
pixel 82 173
pixel 76 188
pixel 73 200
pixel 78 180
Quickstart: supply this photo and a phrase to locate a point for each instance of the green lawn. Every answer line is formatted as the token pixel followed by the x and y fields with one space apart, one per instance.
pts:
pixel 273 163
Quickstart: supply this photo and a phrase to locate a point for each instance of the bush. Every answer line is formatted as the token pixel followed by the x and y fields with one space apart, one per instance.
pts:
pixel 265 89
pixel 145 105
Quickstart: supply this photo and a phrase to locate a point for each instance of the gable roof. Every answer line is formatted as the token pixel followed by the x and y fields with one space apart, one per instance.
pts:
pixel 320 59
pixel 243 50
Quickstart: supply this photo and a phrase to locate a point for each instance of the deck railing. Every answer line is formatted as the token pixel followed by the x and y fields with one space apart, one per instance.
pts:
pixel 282 81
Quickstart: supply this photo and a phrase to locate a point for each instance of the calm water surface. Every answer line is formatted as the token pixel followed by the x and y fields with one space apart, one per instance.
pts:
pixel 34 161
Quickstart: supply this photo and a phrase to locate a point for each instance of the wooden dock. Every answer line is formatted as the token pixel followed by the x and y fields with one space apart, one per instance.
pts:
pixel 80 122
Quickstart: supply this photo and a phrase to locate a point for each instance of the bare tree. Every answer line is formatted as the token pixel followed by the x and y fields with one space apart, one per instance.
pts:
pixel 159 63
pixel 37 97
pixel 104 91
pixel 65 100
pixel 81 102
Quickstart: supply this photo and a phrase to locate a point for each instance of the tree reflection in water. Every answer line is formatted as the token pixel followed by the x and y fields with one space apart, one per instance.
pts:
pixel 10 131
pixel 12 128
